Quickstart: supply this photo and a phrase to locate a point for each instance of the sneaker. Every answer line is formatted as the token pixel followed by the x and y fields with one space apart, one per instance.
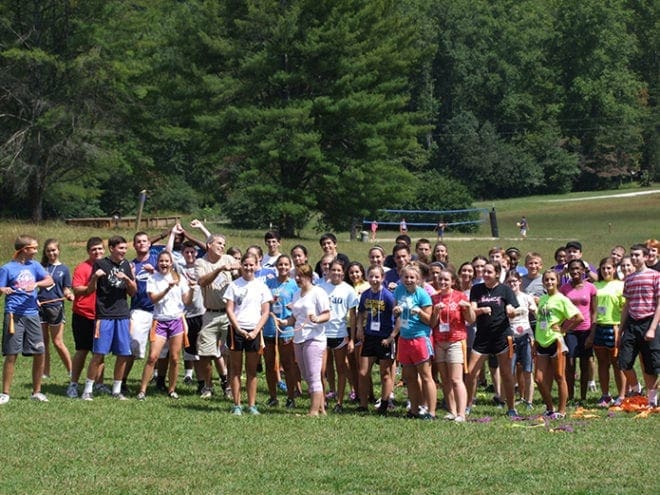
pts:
pixel 338 409
pixel 427 417
pixel 605 401
pixel 548 413
pixel 330 395
pixel 290 404
pixel 253 411
pixel 160 384
pixel 449 417
pixel 528 405
pixel 468 410
pixel 512 413
pixel 87 396
pixel 557 415
pixel 38 397
pixel 382 409
pixel 498 402
pixel 353 397
pixel 173 395
pixel 124 388
pixel 618 402
pixel 119 396
pixel 237 411
pixel 459 419
pixel 273 402
pixel 188 380
pixel 591 386
pixel 391 405
pixel 207 393
pixel 141 396
pixel 282 386
pixel 4 398
pixel 102 388
pixel 72 391
pixel 227 392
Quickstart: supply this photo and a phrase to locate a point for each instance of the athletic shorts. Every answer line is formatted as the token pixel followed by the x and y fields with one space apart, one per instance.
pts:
pixel 336 343
pixel 194 326
pixel 83 332
pixel 169 328
pixel 522 354
pixel 141 322
pixel 575 341
pixel 415 351
pixel 215 326
pixel 449 352
pixel 112 336
pixel 604 336
pixel 633 343
pixel 239 343
pixel 52 314
pixel 27 337
pixel 270 341
pixel 372 347
pixel 490 343
pixel 551 351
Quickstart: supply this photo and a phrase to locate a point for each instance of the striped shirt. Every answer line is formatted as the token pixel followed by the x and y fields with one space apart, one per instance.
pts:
pixel 642 290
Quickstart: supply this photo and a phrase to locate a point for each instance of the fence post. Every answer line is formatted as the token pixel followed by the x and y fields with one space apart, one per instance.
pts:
pixel 494 230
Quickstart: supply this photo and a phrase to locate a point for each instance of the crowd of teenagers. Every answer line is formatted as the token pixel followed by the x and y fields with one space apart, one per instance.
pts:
pixel 411 311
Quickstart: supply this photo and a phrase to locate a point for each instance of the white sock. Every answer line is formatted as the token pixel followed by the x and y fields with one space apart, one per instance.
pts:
pixel 189 373
pixel 116 386
pixel 89 386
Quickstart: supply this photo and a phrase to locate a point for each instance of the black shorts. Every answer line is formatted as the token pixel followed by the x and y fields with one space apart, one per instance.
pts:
pixel 336 343
pixel 372 347
pixel 83 332
pixel 241 344
pixel 489 343
pixel 52 314
pixel 633 343
pixel 575 343
pixel 547 351
pixel 194 326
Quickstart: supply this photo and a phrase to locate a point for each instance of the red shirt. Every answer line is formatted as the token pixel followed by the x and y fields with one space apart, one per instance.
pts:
pixel 451 314
pixel 84 305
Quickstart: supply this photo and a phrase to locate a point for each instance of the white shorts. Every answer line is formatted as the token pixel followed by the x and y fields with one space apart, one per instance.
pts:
pixel 140 327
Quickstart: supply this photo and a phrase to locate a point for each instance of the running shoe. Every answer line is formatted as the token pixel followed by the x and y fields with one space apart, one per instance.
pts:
pixel 38 397
pixel 427 417
pixel 557 415
pixel 207 393
pixel 237 411
pixel 498 401
pixel 119 396
pixel 87 396
pixel 4 398
pixel 273 402
pixel 188 380
pixel 290 404
pixel 618 402
pixel 330 395
pixel 605 401
pixel 459 419
pixel 338 409
pixel 591 386
pixel 102 388
pixel 449 417
pixel 512 413
pixel 253 411
pixel 141 396
pixel 173 395
pixel 72 391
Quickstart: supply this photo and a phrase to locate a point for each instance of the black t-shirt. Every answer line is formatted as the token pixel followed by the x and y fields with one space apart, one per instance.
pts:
pixel 111 302
pixel 497 299
pixel 341 257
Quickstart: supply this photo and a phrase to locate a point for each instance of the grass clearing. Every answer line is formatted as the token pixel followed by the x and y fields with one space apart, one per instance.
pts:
pixel 163 446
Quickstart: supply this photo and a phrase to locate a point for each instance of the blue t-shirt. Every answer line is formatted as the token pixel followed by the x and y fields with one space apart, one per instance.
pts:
pixel 20 276
pixel 378 306
pixel 411 326
pixel 280 306
pixel 141 299
pixel 61 278
pixel 265 274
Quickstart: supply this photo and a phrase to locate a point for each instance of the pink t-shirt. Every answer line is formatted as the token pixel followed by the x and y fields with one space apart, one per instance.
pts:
pixel 581 297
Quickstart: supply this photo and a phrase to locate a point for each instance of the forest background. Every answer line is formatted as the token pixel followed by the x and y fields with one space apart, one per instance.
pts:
pixel 278 112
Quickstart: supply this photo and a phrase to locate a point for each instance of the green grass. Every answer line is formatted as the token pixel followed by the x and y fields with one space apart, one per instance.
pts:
pixel 161 446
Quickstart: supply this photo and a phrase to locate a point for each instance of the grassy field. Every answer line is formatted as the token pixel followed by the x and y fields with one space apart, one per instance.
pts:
pixel 163 446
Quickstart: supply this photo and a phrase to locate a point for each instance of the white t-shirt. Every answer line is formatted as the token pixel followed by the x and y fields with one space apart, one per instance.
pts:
pixel 314 302
pixel 342 298
pixel 520 322
pixel 171 306
pixel 248 296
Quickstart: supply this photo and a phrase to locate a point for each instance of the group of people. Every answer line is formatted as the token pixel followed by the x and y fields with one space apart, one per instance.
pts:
pixel 411 309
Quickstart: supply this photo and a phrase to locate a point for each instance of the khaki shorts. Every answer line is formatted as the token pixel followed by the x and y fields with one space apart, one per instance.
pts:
pixel 215 326
pixel 449 352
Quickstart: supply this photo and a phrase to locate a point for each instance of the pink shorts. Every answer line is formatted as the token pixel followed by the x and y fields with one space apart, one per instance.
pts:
pixel 414 351
pixel 169 328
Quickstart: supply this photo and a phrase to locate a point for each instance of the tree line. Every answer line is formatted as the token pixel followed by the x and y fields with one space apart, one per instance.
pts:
pixel 279 111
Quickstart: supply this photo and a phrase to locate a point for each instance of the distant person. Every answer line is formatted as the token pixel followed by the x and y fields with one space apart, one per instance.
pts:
pixel 440 230
pixel 374 229
pixel 21 333
pixel 403 226
pixel 523 226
